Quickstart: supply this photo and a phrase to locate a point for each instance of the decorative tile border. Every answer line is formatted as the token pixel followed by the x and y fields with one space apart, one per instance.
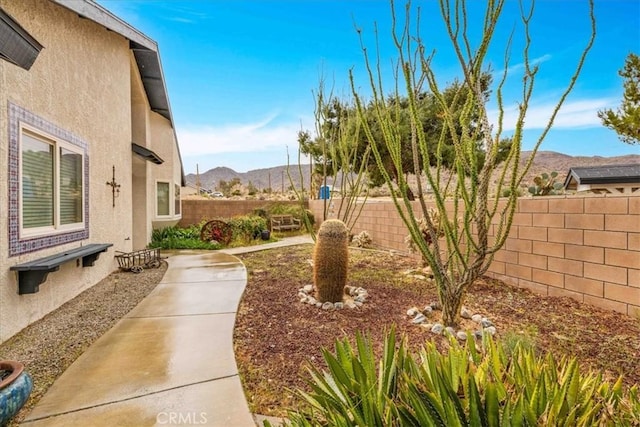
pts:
pixel 17 245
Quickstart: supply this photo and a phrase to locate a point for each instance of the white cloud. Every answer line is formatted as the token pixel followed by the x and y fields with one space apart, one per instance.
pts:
pixel 574 114
pixel 518 67
pixel 256 136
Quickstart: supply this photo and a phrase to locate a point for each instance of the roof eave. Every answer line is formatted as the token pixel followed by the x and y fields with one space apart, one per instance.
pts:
pixel 156 93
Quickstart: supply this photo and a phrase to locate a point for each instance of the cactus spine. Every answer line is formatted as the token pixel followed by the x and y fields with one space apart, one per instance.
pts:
pixel 330 259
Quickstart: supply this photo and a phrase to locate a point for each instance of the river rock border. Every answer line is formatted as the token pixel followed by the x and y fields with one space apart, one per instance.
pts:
pixel 354 297
pixel 420 318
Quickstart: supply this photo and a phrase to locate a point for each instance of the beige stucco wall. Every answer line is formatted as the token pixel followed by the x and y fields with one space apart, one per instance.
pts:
pixel 141 183
pixel 81 83
pixel 155 132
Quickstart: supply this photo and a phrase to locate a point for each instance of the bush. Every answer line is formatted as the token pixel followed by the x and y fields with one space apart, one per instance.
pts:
pixel 463 387
pixel 247 227
pixel 506 192
pixel 362 240
pixel 180 238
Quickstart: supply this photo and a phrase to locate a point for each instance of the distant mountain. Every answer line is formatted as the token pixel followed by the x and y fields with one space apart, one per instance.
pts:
pixel 549 161
pixel 275 177
pixel 545 161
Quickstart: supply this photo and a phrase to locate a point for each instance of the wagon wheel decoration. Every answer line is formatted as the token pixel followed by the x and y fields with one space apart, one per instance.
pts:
pixel 216 230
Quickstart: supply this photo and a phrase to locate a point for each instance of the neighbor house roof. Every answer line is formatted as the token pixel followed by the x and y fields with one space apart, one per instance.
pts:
pixel 602 175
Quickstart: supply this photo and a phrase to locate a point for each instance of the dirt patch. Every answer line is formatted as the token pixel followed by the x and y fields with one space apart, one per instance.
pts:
pixel 276 336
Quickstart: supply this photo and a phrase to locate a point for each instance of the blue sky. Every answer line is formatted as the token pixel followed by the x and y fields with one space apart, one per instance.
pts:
pixel 240 73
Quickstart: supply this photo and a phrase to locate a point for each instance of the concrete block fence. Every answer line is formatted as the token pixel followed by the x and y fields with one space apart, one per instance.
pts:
pixel 586 247
pixel 194 211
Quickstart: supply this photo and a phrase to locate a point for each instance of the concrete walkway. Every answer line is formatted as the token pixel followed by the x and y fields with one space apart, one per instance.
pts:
pixel 170 360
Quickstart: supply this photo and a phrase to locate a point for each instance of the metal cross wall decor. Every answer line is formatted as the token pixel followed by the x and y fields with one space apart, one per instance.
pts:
pixel 115 187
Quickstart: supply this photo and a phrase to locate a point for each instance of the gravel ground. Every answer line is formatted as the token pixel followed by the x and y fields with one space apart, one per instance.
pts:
pixel 276 337
pixel 50 345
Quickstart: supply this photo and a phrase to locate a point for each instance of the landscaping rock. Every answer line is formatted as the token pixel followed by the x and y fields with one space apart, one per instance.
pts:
pixel 308 288
pixel 358 303
pixel 450 330
pixel 319 304
pixel 465 313
pixel 420 318
pixel 350 304
pixel 435 305
pixel 437 328
pixel 427 310
pixel 359 298
pixel 486 323
pixel 327 306
pixel 476 318
pixel 311 300
pixel 477 335
pixel 338 306
pixel 412 312
pixel 461 335
pixel 491 330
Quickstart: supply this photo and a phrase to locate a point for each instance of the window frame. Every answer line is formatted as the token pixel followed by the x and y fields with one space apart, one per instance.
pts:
pixel 177 201
pixel 172 200
pixel 18 245
pixel 57 227
pixel 169 199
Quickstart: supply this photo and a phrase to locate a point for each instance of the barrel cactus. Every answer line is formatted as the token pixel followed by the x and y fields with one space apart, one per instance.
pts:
pixel 330 259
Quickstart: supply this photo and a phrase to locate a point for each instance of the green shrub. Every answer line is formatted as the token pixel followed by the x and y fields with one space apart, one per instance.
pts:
pixel 261 212
pixel 174 237
pixel 247 227
pixel 463 387
pixel 506 192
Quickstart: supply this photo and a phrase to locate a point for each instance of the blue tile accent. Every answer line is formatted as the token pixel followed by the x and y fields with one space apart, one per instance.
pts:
pixel 17 245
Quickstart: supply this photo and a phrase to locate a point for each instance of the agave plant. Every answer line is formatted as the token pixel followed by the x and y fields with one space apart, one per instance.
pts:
pixel 464 386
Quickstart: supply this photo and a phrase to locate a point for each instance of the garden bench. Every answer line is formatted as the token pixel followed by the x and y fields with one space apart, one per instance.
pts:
pixel 33 273
pixel 284 223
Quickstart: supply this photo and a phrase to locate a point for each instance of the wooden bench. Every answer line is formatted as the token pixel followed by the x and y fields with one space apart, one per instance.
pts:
pixel 284 223
pixel 33 273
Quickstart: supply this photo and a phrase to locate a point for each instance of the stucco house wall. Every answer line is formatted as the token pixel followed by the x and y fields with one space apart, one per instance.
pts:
pixel 83 87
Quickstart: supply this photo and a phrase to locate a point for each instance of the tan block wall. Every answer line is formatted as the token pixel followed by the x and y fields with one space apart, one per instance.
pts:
pixel 586 247
pixel 80 82
pixel 194 211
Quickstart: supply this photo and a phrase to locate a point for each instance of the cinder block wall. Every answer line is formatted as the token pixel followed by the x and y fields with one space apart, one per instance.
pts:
pixel 194 211
pixel 585 247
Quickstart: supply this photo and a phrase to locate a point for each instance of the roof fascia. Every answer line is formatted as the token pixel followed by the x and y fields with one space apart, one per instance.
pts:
pixel 98 14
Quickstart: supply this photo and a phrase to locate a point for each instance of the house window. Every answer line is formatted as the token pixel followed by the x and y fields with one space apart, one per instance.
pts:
pixel 51 184
pixel 163 198
pixel 48 184
pixel 176 197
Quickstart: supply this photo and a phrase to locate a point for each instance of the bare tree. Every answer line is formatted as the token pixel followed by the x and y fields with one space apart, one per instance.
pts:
pixel 473 225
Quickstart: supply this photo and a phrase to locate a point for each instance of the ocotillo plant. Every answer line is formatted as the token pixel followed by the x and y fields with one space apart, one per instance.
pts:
pixel 330 259
pixel 475 225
